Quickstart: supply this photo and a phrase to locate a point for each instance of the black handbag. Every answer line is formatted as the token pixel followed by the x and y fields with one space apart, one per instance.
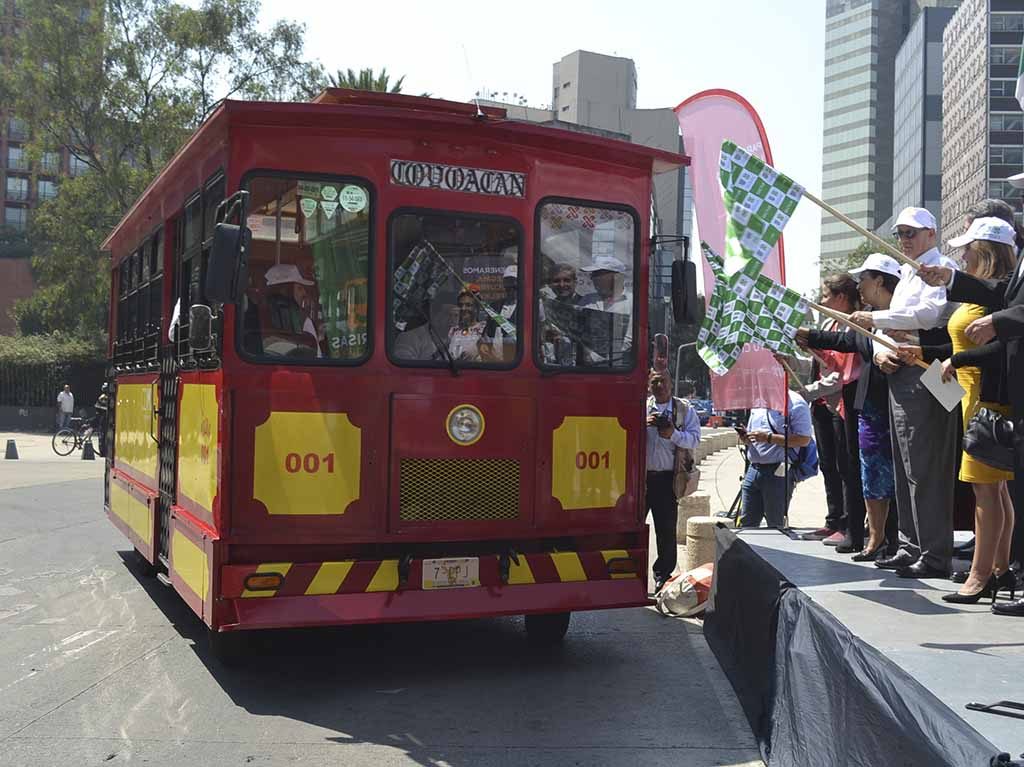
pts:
pixel 989 439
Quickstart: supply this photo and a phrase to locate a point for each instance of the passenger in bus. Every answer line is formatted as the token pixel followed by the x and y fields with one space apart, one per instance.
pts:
pixel 610 335
pixel 416 340
pixel 464 337
pixel 498 343
pixel 288 312
pixel 558 317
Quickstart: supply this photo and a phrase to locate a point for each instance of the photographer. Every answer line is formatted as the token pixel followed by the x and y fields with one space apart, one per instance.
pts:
pixel 765 494
pixel 671 425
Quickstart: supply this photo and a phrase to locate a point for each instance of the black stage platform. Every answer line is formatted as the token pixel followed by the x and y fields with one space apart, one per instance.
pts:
pixel 841 663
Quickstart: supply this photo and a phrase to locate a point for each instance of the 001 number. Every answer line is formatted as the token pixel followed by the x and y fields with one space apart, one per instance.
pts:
pixel 592 460
pixel 310 463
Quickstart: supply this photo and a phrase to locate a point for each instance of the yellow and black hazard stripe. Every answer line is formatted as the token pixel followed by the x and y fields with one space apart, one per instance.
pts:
pixel 270 579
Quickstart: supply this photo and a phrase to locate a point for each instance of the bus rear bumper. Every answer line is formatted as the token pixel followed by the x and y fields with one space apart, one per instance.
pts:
pixel 434 605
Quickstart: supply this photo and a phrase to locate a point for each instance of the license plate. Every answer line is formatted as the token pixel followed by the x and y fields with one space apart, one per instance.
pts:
pixel 451 573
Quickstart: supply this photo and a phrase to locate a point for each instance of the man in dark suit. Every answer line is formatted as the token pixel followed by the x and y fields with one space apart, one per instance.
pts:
pixel 1006 325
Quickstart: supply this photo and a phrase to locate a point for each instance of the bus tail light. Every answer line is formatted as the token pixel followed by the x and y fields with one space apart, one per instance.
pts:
pixel 263 581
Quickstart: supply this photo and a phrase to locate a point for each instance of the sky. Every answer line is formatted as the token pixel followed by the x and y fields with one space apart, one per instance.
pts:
pixel 772 53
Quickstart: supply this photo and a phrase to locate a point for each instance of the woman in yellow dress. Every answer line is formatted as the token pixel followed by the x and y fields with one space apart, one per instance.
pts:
pixel 988 254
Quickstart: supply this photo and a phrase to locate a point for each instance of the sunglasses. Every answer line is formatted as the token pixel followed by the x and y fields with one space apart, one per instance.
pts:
pixel 907 234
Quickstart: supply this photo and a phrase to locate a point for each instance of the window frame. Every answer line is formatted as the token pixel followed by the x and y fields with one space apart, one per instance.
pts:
pixel 389 297
pixel 538 359
pixel 326 362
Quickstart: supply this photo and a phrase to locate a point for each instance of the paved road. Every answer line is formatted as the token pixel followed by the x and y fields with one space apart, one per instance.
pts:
pixel 100 665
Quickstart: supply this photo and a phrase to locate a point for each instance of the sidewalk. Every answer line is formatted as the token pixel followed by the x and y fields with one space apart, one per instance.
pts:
pixel 722 472
pixel 37 464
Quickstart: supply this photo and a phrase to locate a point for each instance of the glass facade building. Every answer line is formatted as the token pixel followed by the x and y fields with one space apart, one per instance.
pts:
pixel 984 126
pixel 861 41
pixel 917 122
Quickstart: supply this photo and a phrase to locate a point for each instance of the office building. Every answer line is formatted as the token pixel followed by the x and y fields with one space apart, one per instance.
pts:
pixel 917 122
pixel 983 124
pixel 861 41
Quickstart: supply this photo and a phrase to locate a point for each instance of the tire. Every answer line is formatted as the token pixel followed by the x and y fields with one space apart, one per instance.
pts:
pixel 547 629
pixel 64 442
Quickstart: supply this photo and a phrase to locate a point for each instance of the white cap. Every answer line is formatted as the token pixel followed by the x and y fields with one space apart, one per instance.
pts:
pixel 991 229
pixel 511 272
pixel 1017 180
pixel 877 262
pixel 606 264
pixel 916 218
pixel 282 273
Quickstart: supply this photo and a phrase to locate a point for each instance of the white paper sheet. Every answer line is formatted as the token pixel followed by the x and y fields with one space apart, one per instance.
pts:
pixel 948 393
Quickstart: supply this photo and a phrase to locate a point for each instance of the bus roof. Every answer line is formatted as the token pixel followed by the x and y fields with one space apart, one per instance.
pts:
pixel 369 109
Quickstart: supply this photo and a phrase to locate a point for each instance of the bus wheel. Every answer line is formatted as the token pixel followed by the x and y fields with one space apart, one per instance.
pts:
pixel 226 647
pixel 547 629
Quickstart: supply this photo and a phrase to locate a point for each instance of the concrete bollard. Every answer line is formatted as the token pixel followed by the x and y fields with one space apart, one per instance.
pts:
pixel 88 454
pixel 696 505
pixel 700 541
pixel 11 453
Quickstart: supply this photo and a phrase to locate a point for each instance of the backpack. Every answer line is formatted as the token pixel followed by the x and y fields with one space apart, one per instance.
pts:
pixel 803 461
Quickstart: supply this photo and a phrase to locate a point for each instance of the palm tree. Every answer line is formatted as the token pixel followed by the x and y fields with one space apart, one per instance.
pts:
pixel 365 80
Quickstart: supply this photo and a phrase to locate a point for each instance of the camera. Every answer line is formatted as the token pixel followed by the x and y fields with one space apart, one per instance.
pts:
pixel 662 420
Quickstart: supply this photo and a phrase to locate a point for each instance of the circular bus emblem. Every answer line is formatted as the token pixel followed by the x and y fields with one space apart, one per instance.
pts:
pixel 465 424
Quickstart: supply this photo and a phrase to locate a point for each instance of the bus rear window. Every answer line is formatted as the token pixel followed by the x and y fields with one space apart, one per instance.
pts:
pixel 308 288
pixel 454 290
pixel 585 309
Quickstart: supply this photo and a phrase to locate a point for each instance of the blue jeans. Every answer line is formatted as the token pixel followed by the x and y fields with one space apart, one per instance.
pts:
pixel 764 496
pixel 63 420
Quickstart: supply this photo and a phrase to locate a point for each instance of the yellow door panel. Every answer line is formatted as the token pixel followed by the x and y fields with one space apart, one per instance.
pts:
pixel 189 561
pixel 133 511
pixel 588 455
pixel 306 463
pixel 135 424
pixel 197 443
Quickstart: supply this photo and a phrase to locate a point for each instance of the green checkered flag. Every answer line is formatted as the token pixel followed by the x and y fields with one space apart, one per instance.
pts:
pixel 768 316
pixel 759 202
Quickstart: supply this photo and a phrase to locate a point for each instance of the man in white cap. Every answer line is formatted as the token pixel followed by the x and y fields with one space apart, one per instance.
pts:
pixel 924 433
pixel 1006 325
pixel 291 304
pixel 608 276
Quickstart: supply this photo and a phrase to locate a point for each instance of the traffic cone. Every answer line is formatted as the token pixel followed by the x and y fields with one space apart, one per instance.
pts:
pixel 12 451
pixel 88 454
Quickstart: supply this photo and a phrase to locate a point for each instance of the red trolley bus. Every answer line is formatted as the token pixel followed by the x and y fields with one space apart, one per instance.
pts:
pixel 382 358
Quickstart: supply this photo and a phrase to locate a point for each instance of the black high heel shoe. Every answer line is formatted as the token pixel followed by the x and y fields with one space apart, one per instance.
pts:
pixel 1006 580
pixel 868 556
pixel 988 590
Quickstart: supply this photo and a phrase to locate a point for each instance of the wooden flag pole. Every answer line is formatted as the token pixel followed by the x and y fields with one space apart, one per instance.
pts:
pixel 789 371
pixel 845 320
pixel 885 246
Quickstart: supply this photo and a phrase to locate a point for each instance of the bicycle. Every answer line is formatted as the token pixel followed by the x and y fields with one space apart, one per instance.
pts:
pixel 72 438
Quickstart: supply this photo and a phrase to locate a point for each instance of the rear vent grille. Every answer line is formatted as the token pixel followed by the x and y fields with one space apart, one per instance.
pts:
pixel 451 489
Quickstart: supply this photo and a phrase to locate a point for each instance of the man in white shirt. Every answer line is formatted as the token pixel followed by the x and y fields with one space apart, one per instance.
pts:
pixel 65 407
pixel 671 425
pixel 924 433
pixel 613 341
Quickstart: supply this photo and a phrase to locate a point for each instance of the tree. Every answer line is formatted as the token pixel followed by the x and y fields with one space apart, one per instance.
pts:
pixel 365 80
pixel 121 85
pixel 854 258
